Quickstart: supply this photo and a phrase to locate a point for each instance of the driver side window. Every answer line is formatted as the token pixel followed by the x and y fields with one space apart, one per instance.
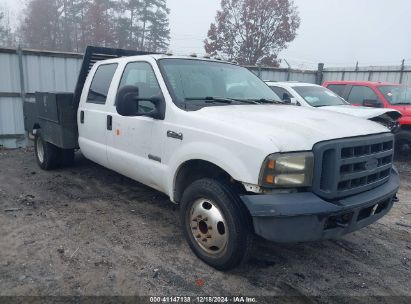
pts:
pixel 360 93
pixel 281 92
pixel 141 75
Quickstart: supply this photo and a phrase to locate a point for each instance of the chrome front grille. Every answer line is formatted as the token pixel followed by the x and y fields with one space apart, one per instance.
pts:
pixel 350 166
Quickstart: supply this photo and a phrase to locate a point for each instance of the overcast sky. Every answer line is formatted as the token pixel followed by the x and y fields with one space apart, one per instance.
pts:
pixel 336 32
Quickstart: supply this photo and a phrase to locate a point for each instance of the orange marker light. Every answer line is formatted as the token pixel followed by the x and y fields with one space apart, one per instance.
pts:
pixel 269 179
pixel 271 164
pixel 118 132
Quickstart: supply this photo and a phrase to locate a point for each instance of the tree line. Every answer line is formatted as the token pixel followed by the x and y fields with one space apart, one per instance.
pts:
pixel 6 34
pixel 71 25
pixel 248 31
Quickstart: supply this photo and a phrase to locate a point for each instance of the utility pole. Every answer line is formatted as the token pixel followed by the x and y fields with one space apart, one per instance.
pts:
pixel 289 70
pixel 402 70
pixel 320 73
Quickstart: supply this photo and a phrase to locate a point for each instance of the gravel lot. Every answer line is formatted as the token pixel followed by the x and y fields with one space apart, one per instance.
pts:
pixel 89 231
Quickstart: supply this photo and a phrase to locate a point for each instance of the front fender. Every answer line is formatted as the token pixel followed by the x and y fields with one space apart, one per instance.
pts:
pixel 241 163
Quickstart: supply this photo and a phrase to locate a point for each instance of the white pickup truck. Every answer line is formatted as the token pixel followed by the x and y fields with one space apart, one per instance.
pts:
pixel 315 96
pixel 218 141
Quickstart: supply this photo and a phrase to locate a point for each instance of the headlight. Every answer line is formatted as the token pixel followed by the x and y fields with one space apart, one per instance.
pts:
pixel 287 170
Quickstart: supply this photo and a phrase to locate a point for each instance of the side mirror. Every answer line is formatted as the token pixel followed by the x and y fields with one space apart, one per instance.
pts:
pixel 286 98
pixel 294 101
pixel 128 103
pixel 372 103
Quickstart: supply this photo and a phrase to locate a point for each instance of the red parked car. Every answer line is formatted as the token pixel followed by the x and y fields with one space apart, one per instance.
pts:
pixel 379 95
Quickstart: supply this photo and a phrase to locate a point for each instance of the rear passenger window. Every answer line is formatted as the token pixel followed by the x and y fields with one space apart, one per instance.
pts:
pixel 360 93
pixel 337 88
pixel 101 83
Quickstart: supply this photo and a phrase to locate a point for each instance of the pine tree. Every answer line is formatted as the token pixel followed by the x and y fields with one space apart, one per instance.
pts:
pixel 158 36
pixel 128 25
pixel 155 32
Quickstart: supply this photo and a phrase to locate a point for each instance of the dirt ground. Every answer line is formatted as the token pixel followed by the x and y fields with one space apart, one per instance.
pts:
pixel 89 231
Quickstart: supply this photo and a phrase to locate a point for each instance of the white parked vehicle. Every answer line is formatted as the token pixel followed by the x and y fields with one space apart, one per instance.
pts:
pixel 218 141
pixel 315 96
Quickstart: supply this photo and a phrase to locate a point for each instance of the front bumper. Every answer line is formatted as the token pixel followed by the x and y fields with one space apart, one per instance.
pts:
pixel 299 217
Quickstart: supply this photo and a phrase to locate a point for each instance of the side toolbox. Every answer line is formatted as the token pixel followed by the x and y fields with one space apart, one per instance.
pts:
pixel 57 119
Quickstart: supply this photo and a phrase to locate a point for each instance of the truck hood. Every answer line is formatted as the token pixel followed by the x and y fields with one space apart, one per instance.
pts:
pixel 288 128
pixel 364 112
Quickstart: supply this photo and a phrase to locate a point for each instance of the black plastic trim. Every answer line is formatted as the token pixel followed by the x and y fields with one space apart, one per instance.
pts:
pixel 327 166
pixel 295 217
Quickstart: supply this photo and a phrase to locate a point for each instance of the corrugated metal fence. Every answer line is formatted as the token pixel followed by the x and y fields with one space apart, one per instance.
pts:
pixel 397 74
pixel 280 74
pixel 23 72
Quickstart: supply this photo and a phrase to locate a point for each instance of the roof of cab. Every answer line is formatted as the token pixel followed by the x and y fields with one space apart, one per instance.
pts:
pixel 291 83
pixel 164 56
pixel 364 83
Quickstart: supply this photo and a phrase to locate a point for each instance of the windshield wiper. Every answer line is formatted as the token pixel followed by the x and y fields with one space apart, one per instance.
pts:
pixel 267 101
pixel 210 99
pixel 402 103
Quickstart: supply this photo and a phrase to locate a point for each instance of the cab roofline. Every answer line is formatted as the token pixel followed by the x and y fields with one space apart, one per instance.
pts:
pixel 373 83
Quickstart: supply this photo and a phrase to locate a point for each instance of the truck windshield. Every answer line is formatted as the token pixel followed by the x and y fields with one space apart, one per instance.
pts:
pixel 397 95
pixel 199 81
pixel 319 96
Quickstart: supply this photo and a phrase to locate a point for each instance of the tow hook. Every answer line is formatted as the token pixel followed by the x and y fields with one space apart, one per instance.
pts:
pixel 339 221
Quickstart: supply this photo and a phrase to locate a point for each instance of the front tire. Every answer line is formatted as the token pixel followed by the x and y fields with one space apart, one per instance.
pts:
pixel 47 155
pixel 216 224
pixel 403 143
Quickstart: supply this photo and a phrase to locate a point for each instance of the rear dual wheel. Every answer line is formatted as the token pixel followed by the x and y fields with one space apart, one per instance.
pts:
pixel 216 224
pixel 49 156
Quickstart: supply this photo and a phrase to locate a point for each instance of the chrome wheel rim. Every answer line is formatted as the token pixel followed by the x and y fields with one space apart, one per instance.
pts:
pixel 208 226
pixel 40 150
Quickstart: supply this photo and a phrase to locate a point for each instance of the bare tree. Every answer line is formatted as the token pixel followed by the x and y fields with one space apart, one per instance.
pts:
pixel 99 23
pixel 3 29
pixel 252 31
pixel 40 27
pixel 6 34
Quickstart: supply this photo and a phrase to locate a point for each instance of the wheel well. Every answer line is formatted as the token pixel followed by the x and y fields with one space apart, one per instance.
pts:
pixel 193 170
pixel 404 135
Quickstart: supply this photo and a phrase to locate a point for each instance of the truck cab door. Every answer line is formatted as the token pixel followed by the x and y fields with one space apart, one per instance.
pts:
pixel 132 148
pixel 361 95
pixel 93 119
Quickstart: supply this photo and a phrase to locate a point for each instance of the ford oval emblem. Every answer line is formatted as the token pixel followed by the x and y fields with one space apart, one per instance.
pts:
pixel 371 164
